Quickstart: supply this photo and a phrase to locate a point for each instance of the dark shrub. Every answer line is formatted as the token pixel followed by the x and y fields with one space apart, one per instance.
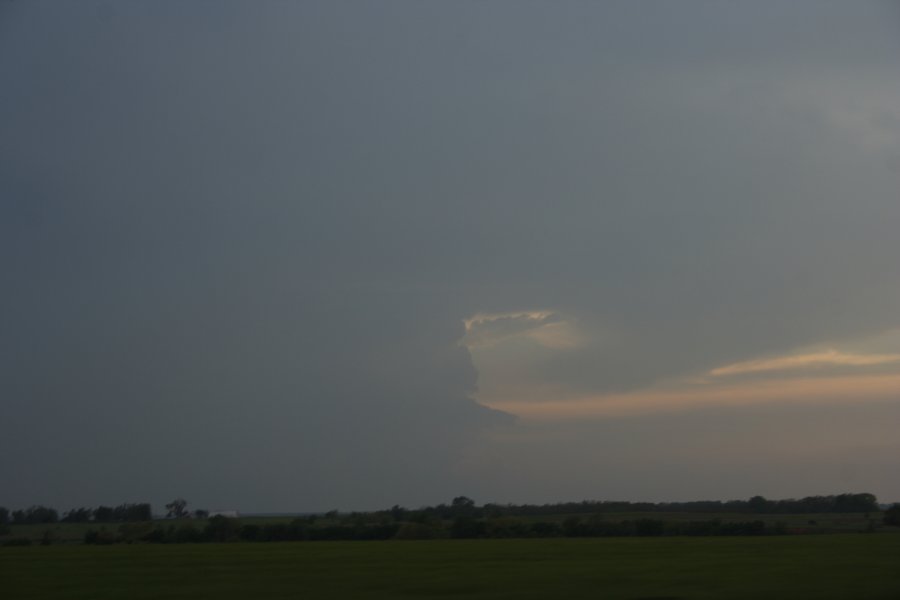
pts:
pixel 187 534
pixel 100 538
pixel 299 529
pixel 467 527
pixel 274 532
pixel 222 529
pixel 157 535
pixel 892 516
pixel 649 527
pixel 35 514
pixel 574 527
pixel 250 533
pixel 711 527
pixel 416 531
pixel 743 528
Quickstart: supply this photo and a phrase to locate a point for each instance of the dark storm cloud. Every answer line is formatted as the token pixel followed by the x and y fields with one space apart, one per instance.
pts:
pixel 239 243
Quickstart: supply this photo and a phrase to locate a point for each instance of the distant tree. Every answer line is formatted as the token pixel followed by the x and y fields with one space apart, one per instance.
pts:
pixel 77 515
pixel 42 514
pixel 758 504
pixel 35 514
pixel 462 502
pixel 104 514
pixel 201 513
pixel 461 506
pixel 4 515
pixel 222 529
pixel 142 511
pixel 123 513
pixel 892 516
pixel 131 513
pixel 177 508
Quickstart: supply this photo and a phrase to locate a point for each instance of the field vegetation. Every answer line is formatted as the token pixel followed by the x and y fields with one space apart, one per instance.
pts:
pixel 586 550
pixel 824 567
pixel 461 519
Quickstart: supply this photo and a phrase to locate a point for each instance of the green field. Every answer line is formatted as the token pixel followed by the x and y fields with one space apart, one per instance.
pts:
pixel 821 567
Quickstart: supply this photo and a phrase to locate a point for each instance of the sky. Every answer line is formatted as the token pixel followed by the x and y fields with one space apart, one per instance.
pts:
pixel 302 256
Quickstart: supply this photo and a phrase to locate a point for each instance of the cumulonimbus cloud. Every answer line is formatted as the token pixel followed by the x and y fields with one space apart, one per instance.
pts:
pixel 815 360
pixel 488 328
pixel 804 390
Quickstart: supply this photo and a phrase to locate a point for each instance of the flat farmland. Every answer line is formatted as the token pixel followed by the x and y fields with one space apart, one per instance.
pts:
pixel 73 533
pixel 822 566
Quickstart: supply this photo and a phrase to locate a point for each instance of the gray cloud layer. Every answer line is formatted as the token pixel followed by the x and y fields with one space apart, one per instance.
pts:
pixel 238 243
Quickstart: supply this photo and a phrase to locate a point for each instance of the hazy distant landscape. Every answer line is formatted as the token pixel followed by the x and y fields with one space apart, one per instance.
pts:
pixel 736 549
pixel 488 299
pixel 462 518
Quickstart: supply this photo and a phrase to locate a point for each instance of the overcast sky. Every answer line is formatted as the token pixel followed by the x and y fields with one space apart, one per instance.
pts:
pixel 291 256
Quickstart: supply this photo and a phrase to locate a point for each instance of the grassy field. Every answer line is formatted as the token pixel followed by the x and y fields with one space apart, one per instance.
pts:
pixel 822 567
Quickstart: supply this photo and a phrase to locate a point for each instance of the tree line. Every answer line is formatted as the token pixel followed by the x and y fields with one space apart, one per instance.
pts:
pixel 37 514
pixel 840 503
pixel 222 529
pixel 461 505
pixel 461 518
